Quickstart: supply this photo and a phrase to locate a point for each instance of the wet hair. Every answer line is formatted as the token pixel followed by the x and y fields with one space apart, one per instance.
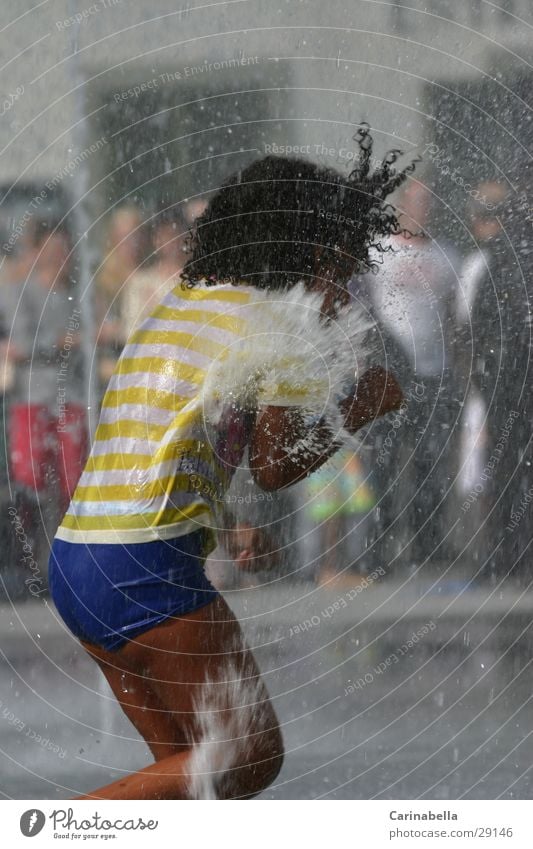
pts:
pixel 272 223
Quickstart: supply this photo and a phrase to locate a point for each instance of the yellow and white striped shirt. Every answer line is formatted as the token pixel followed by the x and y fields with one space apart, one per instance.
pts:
pixel 155 470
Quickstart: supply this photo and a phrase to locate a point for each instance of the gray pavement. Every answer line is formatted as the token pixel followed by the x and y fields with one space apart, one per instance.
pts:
pixel 390 691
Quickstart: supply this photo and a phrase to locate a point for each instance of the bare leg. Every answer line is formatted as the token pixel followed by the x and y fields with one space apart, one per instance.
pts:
pixel 330 535
pixel 158 679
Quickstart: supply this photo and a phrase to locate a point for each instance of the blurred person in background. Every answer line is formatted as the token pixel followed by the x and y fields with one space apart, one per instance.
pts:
pixel 193 209
pixel 16 262
pixel 477 266
pixel 125 249
pixel 517 506
pixel 169 231
pixel 47 432
pixel 411 299
pixel 486 231
pixel 492 315
pixel 338 504
pixel 382 536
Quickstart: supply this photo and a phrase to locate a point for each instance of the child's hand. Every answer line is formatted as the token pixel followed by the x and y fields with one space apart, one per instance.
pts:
pixel 275 464
pixel 251 548
pixel 378 392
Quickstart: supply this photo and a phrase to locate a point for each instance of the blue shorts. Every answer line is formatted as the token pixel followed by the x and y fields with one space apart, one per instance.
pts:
pixel 109 593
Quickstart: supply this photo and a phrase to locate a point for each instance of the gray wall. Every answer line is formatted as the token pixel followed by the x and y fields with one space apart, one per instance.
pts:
pixel 344 61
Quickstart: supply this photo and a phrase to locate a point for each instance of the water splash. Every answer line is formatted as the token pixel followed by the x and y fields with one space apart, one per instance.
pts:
pixel 290 356
pixel 230 711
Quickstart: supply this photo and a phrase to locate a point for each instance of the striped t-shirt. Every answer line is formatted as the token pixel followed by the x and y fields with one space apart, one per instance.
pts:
pixel 156 469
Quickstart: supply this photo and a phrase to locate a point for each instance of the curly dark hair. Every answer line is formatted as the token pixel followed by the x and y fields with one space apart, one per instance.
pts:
pixel 269 224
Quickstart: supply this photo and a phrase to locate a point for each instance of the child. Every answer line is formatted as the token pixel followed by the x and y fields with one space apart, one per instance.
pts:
pixel 126 568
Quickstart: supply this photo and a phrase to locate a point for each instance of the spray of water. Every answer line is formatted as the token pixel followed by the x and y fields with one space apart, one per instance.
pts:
pixel 230 715
pixel 290 356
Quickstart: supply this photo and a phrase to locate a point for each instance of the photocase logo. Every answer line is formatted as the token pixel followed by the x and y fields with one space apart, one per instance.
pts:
pixel 32 822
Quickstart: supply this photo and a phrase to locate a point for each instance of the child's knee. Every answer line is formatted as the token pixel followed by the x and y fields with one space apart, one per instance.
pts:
pixel 272 753
pixel 275 761
pixel 258 769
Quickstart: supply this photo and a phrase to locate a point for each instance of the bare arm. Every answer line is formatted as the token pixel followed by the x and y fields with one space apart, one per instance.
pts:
pixel 283 450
